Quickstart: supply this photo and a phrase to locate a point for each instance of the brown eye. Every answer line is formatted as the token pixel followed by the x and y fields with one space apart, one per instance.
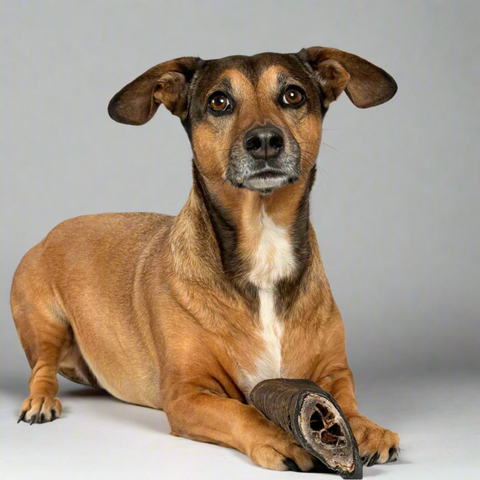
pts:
pixel 293 96
pixel 218 102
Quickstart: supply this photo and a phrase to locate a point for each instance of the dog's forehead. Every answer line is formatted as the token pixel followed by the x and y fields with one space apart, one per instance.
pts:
pixel 251 68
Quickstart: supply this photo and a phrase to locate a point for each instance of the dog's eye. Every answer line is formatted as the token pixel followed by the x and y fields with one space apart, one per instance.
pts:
pixel 293 96
pixel 218 102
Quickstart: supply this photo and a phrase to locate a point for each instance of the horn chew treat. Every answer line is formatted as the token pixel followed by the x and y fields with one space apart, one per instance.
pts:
pixel 314 418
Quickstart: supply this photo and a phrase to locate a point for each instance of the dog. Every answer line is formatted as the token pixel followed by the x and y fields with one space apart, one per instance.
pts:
pixel 187 314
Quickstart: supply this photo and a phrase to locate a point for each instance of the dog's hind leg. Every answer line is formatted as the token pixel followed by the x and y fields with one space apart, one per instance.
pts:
pixel 44 340
pixel 45 337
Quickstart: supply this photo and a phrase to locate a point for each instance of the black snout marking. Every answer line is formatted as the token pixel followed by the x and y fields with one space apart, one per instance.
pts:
pixel 264 143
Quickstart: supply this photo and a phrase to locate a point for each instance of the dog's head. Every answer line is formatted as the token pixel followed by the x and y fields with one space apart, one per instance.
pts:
pixel 254 122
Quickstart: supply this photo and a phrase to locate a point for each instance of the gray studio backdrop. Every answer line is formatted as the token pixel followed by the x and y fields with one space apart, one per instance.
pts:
pixel 396 204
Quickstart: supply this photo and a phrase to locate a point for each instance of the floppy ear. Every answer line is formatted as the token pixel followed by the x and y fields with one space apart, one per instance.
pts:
pixel 365 84
pixel 167 83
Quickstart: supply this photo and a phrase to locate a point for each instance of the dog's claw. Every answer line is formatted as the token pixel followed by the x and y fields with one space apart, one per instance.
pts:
pixel 291 465
pixel 53 415
pixel 32 420
pixel 365 459
pixel 391 453
pixel 22 416
pixel 42 418
pixel 373 459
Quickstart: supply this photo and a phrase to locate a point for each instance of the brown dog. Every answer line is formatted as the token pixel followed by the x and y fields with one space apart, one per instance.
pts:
pixel 188 313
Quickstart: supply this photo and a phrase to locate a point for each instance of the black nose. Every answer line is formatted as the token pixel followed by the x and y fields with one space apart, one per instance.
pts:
pixel 264 143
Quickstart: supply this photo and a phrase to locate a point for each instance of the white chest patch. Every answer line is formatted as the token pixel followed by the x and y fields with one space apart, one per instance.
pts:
pixel 272 261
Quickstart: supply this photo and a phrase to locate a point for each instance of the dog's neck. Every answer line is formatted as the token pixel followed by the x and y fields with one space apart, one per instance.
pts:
pixel 249 228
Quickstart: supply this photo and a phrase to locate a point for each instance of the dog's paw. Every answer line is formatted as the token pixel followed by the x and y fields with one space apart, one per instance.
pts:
pixel 375 444
pixel 40 410
pixel 281 452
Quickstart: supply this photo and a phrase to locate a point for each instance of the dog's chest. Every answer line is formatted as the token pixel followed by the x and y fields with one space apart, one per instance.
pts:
pixel 272 260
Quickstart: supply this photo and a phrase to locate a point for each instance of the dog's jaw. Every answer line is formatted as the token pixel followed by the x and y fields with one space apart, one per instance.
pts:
pixel 267 184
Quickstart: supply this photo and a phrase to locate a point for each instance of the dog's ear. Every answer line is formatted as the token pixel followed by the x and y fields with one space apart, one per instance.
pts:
pixel 365 84
pixel 167 83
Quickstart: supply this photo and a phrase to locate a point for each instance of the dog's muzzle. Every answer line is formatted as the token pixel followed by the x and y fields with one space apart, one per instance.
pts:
pixel 264 160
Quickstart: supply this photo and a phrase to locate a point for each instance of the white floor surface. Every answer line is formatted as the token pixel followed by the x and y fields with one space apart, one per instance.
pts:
pixel 99 437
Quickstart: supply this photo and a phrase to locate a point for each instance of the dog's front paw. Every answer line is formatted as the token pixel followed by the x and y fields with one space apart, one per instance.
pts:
pixel 40 410
pixel 281 452
pixel 375 444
